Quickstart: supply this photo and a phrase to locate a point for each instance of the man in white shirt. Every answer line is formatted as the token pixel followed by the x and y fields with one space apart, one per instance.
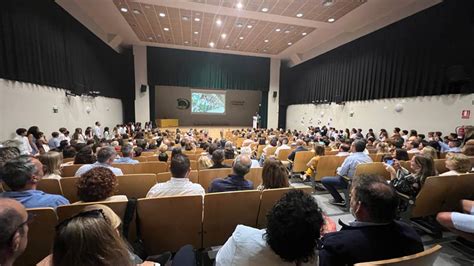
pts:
pixel 412 146
pixel 344 150
pixel 97 130
pixel 105 158
pixel 294 225
pixel 284 146
pixel 25 148
pixel 179 183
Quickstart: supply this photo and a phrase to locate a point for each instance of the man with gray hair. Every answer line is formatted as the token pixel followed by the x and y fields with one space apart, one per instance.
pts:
pixel 127 155
pixel 22 175
pixel 236 180
pixel 105 158
pixel 13 231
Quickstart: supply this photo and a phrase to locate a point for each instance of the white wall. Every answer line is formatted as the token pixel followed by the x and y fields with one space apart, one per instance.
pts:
pixel 273 103
pixel 25 104
pixel 431 113
pixel 142 99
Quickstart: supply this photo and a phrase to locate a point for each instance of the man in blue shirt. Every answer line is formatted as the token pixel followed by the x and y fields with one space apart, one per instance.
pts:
pixel 235 181
pixel 332 183
pixel 105 158
pixel 22 175
pixel 127 154
pixel 452 146
pixel 54 142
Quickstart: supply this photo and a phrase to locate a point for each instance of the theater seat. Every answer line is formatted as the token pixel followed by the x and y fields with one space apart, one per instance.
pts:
pixel 206 176
pixel 67 211
pixel 423 258
pixel 135 185
pixel 70 170
pixel 301 160
pixel 150 167
pixel 50 185
pixel 255 175
pixel 69 188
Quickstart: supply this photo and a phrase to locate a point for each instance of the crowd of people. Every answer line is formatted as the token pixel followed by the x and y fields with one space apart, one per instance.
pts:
pixel 297 230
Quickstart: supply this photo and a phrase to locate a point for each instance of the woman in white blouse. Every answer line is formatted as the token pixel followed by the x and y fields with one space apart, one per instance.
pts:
pixel 457 163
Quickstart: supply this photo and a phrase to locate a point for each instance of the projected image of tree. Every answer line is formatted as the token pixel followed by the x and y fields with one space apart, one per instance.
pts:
pixel 208 102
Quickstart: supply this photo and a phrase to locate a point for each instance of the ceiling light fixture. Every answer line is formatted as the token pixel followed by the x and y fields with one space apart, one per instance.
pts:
pixel 249 26
pixel 241 38
pixel 227 46
pixel 277 30
pixel 287 31
pixel 150 38
pixel 166 29
pixel 239 5
pixel 196 32
pixel 219 22
pixel 123 9
pixel 197 19
pixel 223 35
pixel 327 3
pixel 264 9
pixel 212 44
pixel 290 43
pixel 331 20
pixel 186 42
pixel 266 41
pixel 299 15
pixel 185 18
pixel 162 15
pixel 265 50
pixel 136 11
pixel 239 25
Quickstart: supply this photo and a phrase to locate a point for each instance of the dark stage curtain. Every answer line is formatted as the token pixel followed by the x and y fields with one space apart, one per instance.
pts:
pixel 429 53
pixel 41 43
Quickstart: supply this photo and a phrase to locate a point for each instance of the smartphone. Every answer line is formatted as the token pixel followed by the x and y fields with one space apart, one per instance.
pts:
pixel 389 162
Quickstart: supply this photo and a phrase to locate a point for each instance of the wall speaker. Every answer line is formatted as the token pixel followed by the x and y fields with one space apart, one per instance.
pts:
pixel 338 99
pixel 275 94
pixel 143 88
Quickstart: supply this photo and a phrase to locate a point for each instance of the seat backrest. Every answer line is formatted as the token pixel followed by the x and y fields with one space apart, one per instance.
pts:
pixel 206 176
pixel 141 159
pixel 168 223
pixel 70 170
pixel 327 166
pixel 440 165
pixel 67 211
pixel 224 211
pixel 301 160
pixel 376 168
pixel 40 236
pixel 331 152
pixel 260 150
pixel 127 168
pixel 228 162
pixel 283 154
pixel 423 258
pixel 432 196
pixel 152 159
pixel 50 185
pixel 163 177
pixel 193 164
pixel 271 151
pixel 135 185
pixel 148 153
pixel 69 188
pixel 66 160
pixel 255 175
pixel 462 187
pixel 151 167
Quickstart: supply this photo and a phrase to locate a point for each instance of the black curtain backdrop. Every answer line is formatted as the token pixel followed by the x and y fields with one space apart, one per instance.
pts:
pixel 41 43
pixel 173 67
pixel 429 53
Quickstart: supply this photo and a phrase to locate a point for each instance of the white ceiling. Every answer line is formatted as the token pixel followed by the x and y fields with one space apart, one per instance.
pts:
pixel 105 20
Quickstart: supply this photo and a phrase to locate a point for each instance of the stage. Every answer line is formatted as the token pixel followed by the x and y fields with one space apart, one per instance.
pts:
pixel 213 131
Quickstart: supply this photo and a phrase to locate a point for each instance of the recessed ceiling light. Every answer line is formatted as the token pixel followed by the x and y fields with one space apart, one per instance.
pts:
pixel 299 15
pixel 223 35
pixel 150 38
pixel 277 30
pixel 196 32
pixel 265 50
pixel 239 5
pixel 241 38
pixel 219 22
pixel 289 43
pixel 266 41
pixel 327 3
pixel 147 7
pixel 287 31
pixel 239 25
pixel 123 9
pixel 136 11
pixel 249 26
pixel 185 18
pixel 197 19
pixel 264 9
pixel 186 42
pixel 331 20
pixel 162 14
pixel 304 33
pixel 212 44
pixel 166 29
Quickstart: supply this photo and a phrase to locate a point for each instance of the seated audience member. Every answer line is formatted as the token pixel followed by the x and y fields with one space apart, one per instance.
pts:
pixel 179 183
pixel 51 161
pixel 22 175
pixel 176 150
pixel 218 160
pixel 382 148
pixel 313 163
pixel 162 155
pixel 468 148
pixel 127 155
pixel 69 152
pixel 410 183
pixel 247 151
pixel 344 150
pixel 400 154
pixel 229 150
pixel 375 234
pixel 457 163
pixel 138 151
pixel 452 146
pixel 54 142
pixel 98 184
pixel 430 151
pixel 412 146
pixel 299 147
pixel 105 158
pixel 283 146
pixel 332 183
pixel 85 156
pixel 461 224
pixel 8 153
pixel 265 154
pixel 25 147
pixel 13 231
pixel 236 180
pixel 291 238
pixel 204 162
pixel 274 175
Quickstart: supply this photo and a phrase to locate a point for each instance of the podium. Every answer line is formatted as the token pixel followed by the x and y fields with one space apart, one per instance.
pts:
pixel 167 122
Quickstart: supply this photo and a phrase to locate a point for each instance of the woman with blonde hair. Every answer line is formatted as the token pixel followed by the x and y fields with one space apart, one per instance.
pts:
pixel 382 148
pixel 51 161
pixel 430 151
pixel 457 163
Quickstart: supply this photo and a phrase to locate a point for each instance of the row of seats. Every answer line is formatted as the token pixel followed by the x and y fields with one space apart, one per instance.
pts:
pixel 167 223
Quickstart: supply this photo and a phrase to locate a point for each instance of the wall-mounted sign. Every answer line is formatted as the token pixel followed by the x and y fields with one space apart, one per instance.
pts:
pixel 465 114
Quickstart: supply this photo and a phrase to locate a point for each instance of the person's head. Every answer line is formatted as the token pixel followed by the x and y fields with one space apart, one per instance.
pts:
pixel 458 162
pixel 401 154
pixel 127 151
pixel 413 133
pixel 137 151
pixel 97 184
pixel 51 161
pixel 69 152
pixel 89 239
pixel 163 157
pixel 22 173
pixel 344 147
pixel 241 165
pixel 163 148
pixel 430 151
pixel 85 156
pixel 34 130
pixel 373 199
pixel 319 150
pixel 468 148
pixel 218 156
pixel 294 227
pixel 180 166
pixel 97 123
pixel 423 166
pixel 106 155
pixel 274 174
pixel 358 145
pixel 412 144
pixel 454 143
pixel 8 153
pixel 299 142
pixel 55 134
pixel 228 145
pixel 21 132
pixel 381 147
pixel 175 151
pixel 13 230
